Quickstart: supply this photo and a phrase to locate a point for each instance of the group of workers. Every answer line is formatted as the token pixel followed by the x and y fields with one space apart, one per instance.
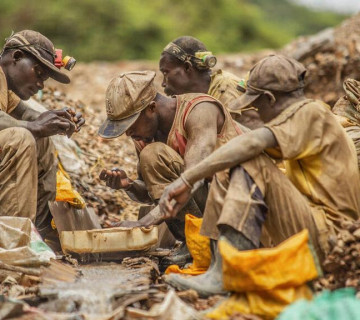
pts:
pixel 212 146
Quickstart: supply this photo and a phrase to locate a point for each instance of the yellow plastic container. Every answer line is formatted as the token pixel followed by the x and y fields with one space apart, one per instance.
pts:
pixel 108 240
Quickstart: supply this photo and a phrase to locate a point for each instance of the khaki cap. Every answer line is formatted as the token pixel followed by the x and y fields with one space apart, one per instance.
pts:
pixel 126 96
pixel 275 73
pixel 39 47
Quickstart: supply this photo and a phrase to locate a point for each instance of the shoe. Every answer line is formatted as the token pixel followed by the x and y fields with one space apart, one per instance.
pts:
pixel 180 257
pixel 207 284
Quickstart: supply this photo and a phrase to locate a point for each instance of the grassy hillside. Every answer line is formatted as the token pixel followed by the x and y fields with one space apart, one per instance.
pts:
pixel 138 29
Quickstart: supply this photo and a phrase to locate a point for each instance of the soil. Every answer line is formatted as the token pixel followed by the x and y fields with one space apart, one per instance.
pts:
pixel 329 57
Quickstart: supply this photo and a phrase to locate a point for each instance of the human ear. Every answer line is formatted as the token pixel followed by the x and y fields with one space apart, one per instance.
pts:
pixel 270 97
pixel 188 66
pixel 152 106
pixel 17 55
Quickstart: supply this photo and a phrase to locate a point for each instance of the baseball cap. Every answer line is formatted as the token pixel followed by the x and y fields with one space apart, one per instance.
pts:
pixel 39 47
pixel 126 96
pixel 275 73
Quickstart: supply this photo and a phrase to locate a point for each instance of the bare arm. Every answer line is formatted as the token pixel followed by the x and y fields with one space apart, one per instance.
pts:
pixel 23 112
pixel 236 151
pixel 202 127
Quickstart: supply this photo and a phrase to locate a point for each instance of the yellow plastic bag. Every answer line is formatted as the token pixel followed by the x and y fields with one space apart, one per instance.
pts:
pixel 267 280
pixel 65 191
pixel 199 247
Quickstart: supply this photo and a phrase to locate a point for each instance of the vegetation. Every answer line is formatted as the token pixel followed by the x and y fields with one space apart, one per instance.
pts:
pixel 138 29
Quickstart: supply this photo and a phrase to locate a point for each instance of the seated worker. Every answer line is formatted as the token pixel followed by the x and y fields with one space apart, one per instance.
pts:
pixel 187 65
pixel 347 110
pixel 179 132
pixel 321 188
pixel 27 159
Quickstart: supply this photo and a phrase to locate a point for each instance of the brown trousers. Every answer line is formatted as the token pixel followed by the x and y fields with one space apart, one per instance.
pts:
pixel 289 211
pixel 27 176
pixel 159 166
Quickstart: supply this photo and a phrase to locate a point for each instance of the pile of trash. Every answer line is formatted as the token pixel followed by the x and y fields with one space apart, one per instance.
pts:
pixel 342 265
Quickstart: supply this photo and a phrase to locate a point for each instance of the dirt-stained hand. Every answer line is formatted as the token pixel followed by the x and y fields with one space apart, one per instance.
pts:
pixel 174 197
pixel 115 178
pixel 76 117
pixel 50 123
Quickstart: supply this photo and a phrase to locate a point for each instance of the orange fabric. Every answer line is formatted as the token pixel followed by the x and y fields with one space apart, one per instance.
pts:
pixel 199 247
pixel 266 280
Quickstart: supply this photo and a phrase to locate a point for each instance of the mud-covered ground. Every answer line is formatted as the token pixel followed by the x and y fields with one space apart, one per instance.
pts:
pixel 330 57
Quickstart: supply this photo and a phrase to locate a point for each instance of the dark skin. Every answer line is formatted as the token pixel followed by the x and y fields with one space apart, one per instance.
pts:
pixel 25 76
pixel 202 126
pixel 180 78
pixel 236 151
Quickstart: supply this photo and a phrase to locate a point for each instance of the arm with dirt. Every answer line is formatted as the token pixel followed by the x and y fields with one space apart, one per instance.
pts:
pixel 202 127
pixel 238 150
pixel 49 123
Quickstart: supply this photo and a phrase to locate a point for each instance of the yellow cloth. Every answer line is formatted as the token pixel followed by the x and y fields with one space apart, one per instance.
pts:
pixel 65 191
pixel 199 248
pixel 266 280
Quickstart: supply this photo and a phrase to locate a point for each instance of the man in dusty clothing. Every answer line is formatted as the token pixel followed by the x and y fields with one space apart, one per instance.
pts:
pixel 187 66
pixel 178 131
pixel 322 184
pixel 27 159
pixel 347 110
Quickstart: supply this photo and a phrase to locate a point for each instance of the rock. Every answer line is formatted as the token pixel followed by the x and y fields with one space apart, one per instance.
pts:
pixel 356 234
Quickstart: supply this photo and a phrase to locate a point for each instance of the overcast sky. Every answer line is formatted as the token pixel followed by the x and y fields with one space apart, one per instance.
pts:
pixel 344 6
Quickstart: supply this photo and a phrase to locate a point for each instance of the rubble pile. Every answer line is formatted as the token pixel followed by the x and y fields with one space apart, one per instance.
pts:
pixel 96 154
pixel 342 265
pixel 330 57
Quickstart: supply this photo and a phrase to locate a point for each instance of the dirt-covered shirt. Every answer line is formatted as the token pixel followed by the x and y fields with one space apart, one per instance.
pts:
pixel 185 103
pixel 8 99
pixel 320 159
pixel 223 87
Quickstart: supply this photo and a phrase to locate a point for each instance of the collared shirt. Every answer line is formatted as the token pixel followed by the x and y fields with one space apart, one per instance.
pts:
pixel 8 99
pixel 320 159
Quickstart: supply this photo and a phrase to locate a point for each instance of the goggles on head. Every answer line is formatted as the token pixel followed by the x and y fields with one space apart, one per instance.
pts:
pixel 201 59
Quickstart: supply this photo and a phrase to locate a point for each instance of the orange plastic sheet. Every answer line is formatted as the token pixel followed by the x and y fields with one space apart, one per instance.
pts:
pixel 65 191
pixel 199 247
pixel 265 281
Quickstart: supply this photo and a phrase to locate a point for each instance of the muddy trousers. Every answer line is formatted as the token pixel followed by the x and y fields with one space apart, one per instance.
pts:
pixel 160 165
pixel 288 212
pixel 27 176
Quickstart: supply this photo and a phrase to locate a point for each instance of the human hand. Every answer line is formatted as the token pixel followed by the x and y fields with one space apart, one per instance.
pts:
pixel 174 197
pixel 50 123
pixel 76 117
pixel 115 178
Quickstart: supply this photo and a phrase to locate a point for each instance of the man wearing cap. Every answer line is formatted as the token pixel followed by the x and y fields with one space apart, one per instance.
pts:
pixel 322 183
pixel 179 132
pixel 187 65
pixel 27 160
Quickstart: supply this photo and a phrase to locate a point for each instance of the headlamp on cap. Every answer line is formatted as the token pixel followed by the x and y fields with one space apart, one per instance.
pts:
pixel 67 62
pixel 207 58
